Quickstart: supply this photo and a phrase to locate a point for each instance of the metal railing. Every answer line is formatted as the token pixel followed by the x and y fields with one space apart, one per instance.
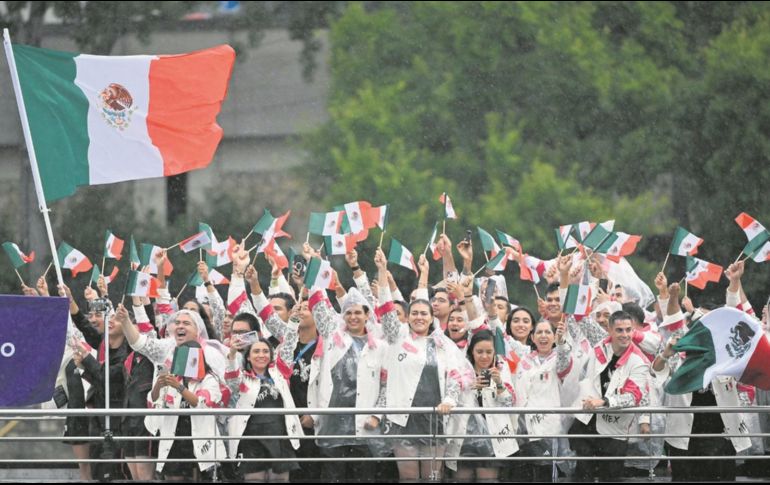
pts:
pixel 59 414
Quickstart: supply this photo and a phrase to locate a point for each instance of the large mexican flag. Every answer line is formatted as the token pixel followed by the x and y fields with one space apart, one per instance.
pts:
pixel 104 119
pixel 725 342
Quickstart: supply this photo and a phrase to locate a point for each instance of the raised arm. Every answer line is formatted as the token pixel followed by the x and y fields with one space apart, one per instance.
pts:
pixel 391 326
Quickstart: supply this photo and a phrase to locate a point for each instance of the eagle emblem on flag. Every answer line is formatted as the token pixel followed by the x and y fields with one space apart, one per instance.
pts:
pixel 117 106
pixel 740 340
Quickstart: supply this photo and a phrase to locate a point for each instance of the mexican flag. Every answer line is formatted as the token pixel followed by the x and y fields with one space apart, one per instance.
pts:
pixel 146 259
pixel 274 251
pixel 432 243
pixel 508 240
pixel 196 241
pixel 531 268
pixel 762 254
pixel 357 217
pixel 488 242
pixel 339 244
pixel 318 274
pixel 215 277
pixel 700 272
pixel 725 342
pixel 113 246
pixel 379 216
pixel 564 238
pixel 72 259
pixel 755 233
pixel 203 227
pixel 105 119
pixel 96 272
pixel 188 362
pixel 141 284
pixel 18 259
pixel 133 254
pixel 600 239
pixel 623 245
pixel 581 230
pixel 401 256
pixel 449 211
pixel 325 223
pixel 220 253
pixel 578 300
pixel 270 228
pixel 498 262
pixel 684 243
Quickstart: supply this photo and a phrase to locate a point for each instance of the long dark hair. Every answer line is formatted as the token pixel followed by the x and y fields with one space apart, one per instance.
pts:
pixel 510 318
pixel 478 337
pixel 247 351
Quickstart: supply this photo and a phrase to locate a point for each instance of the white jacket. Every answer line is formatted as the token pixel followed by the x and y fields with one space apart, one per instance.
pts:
pixel 538 385
pixel 406 360
pixel 209 394
pixel 627 387
pixel 726 393
pixel 336 343
pixel 497 424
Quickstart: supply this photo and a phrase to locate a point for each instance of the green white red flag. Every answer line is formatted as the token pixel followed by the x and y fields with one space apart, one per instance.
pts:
pixel 508 240
pixel 105 119
pixel 623 245
pixel 531 268
pixel 274 251
pixel 700 272
pixel 200 240
pixel 133 254
pixel 684 243
pixel 188 362
pixel 498 262
pixel 142 285
pixel 339 244
pixel 319 274
pixel 578 300
pixel 325 223
pixel 400 255
pixel 113 246
pixel 725 342
pixel 755 233
pixel 221 253
pixel 96 272
pixel 432 243
pixel 449 211
pixel 488 242
pixel 18 259
pixel 72 259
pixel 147 258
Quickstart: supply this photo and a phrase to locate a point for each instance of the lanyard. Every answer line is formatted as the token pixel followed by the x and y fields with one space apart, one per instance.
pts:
pixel 302 352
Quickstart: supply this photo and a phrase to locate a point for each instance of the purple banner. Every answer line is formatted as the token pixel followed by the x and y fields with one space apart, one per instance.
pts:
pixel 32 337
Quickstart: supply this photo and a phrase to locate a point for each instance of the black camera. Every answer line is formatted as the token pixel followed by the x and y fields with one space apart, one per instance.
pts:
pixel 468 235
pixel 99 305
pixel 299 268
pixel 486 374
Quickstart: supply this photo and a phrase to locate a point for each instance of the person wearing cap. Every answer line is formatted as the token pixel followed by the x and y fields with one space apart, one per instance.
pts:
pixel 347 371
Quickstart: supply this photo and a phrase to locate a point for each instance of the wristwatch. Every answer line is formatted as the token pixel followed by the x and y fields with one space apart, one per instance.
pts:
pixel 181 388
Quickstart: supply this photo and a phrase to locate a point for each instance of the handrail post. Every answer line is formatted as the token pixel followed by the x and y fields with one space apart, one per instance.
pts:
pixel 434 446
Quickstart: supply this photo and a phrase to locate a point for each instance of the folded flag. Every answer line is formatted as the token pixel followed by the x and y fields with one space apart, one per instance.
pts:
pixel 147 258
pixel 488 243
pixel 356 213
pixel 96 272
pixel 508 240
pixel 498 262
pixel 142 285
pixel 33 331
pixel 18 259
pixel 220 253
pixel 684 243
pixel 133 254
pixel 755 233
pixel 564 238
pixel 188 362
pixel 400 255
pixel 623 245
pixel 339 244
pixel 319 274
pixel 725 342
pixel 274 251
pixel 113 246
pixel 379 216
pixel 105 119
pixel 72 259
pixel 531 268
pixel 581 230
pixel 325 223
pixel 432 243
pixel 449 211
pixel 578 300
pixel 200 240
pixel 700 272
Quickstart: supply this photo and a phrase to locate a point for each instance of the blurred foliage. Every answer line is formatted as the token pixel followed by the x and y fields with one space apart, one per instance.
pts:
pixel 536 114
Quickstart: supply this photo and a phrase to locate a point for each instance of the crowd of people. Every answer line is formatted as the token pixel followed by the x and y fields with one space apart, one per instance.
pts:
pixel 378 347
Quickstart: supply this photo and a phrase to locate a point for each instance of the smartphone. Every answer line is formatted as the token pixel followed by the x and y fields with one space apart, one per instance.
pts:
pixel 247 338
pixel 489 292
pixel 468 235
pixel 486 374
pixel 604 284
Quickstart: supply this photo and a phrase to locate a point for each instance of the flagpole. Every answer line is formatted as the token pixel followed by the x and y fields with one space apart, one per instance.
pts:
pixel 534 285
pixel 200 254
pixel 20 278
pixel 45 273
pixel 307 238
pixel 665 261
pixel 249 234
pixel 382 235
pixel 172 247
pixel 31 151
pixel 104 260
pixel 443 226
pixel 184 287
pixel 685 289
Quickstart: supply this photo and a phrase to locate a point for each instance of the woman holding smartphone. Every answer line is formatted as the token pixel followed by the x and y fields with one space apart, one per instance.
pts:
pixel 492 388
